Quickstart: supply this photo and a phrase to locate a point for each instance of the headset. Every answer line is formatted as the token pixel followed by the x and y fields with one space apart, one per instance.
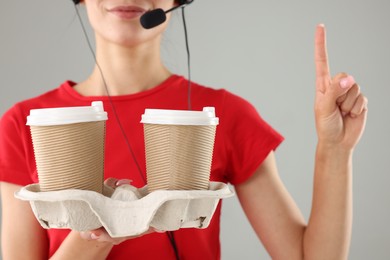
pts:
pixel 148 20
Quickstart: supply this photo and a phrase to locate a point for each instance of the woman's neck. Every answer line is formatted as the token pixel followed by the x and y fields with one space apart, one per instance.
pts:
pixel 125 70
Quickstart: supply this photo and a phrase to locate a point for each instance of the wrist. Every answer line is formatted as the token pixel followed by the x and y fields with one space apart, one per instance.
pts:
pixel 337 154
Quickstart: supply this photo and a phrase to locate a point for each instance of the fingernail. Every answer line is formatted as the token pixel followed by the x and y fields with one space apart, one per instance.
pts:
pixel 94 236
pixel 122 182
pixel 347 82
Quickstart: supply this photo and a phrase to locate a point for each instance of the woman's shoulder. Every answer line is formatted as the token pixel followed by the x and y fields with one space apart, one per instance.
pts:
pixel 50 98
pixel 227 99
pixel 207 92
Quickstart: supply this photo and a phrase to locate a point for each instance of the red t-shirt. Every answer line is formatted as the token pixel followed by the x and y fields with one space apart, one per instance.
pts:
pixel 243 141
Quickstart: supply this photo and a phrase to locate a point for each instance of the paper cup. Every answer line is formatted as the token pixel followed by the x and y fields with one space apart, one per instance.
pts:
pixel 179 147
pixel 69 146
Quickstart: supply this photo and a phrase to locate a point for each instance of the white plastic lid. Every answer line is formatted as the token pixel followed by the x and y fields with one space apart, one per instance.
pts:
pixel 180 117
pixel 67 115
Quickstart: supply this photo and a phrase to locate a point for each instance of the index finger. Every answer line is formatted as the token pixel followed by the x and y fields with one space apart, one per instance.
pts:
pixel 321 55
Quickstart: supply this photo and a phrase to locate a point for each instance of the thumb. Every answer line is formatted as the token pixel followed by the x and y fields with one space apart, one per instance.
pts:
pixel 337 90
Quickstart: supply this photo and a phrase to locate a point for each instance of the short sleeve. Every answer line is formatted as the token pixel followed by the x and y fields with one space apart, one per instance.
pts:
pixel 15 162
pixel 248 138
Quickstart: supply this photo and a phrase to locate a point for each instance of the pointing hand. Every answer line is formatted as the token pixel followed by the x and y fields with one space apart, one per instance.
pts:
pixel 340 107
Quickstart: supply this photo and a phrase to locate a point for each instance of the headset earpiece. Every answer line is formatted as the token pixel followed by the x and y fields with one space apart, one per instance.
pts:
pixel 185 2
pixel 76 1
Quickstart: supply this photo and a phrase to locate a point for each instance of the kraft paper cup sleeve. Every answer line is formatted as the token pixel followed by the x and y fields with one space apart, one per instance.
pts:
pixel 70 156
pixel 68 146
pixel 178 148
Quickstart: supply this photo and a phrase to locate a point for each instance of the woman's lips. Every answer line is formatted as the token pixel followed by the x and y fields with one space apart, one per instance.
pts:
pixel 127 12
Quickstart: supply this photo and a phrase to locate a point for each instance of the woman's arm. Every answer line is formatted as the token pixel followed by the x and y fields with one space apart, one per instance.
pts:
pixel 280 225
pixel 24 238
pixel 341 112
pixel 328 233
pixel 21 235
pixel 272 212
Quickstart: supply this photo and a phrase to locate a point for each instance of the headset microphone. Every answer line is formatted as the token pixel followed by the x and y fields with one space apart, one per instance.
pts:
pixel 158 16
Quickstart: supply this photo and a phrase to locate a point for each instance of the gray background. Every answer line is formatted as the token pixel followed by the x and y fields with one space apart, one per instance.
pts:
pixel 261 50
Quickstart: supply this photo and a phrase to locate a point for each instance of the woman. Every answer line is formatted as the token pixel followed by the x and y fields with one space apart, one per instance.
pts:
pixel 129 58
